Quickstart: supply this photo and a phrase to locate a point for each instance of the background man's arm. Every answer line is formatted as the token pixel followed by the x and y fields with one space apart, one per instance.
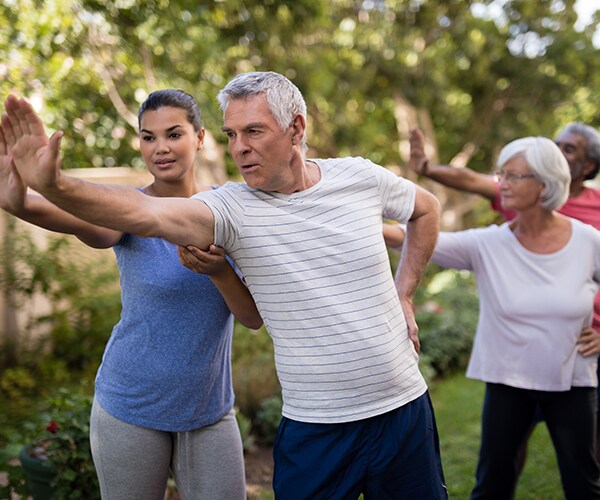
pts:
pixel 421 235
pixel 463 179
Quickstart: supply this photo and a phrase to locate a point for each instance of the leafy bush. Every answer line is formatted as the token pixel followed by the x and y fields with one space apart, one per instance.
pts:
pixel 57 433
pixel 84 300
pixel 447 313
pixel 254 374
pixel 69 446
pixel 268 418
pixel 245 426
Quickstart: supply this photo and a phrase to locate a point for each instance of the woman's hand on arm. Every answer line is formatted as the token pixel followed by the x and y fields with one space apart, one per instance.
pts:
pixel 235 293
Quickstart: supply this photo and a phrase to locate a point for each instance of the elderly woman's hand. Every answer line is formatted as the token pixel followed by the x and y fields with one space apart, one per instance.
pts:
pixel 590 342
pixel 211 262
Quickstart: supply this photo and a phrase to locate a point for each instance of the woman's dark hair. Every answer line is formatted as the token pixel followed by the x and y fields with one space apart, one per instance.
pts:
pixel 172 98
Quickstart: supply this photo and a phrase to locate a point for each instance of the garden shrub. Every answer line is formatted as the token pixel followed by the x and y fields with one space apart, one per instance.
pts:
pixel 268 418
pixel 447 310
pixel 254 375
pixel 82 288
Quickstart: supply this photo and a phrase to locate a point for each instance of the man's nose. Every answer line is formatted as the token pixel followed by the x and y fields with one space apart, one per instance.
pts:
pixel 240 147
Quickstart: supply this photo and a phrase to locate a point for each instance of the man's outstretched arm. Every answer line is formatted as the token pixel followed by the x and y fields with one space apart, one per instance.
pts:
pixel 463 179
pixel 37 159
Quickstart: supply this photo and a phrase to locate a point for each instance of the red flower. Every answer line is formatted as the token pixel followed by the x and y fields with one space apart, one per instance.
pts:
pixel 52 427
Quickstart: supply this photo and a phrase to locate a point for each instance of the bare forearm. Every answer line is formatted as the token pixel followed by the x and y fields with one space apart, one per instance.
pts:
pixel 463 179
pixel 116 207
pixel 179 220
pixel 416 252
pixel 40 212
pixel 238 298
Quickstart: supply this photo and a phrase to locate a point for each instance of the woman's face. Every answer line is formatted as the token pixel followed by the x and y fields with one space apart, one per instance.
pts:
pixel 169 143
pixel 519 189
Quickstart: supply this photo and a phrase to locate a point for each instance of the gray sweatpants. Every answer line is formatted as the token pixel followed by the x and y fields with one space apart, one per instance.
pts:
pixel 134 462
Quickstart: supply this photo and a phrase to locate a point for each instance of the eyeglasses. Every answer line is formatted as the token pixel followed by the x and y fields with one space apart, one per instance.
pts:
pixel 510 177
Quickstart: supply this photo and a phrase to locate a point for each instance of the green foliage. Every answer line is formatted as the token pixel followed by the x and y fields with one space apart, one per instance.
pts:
pixel 447 313
pixel 69 446
pixel 268 418
pixel 82 289
pixel 59 432
pixel 245 426
pixel 254 375
pixel 483 72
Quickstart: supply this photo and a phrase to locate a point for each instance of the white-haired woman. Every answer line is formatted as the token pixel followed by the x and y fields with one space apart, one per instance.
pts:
pixel 537 276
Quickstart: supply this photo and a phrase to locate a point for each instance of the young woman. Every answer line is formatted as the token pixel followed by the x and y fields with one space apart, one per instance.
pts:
pixel 163 393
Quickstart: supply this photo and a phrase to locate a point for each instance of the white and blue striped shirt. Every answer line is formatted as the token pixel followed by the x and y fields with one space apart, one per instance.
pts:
pixel 318 269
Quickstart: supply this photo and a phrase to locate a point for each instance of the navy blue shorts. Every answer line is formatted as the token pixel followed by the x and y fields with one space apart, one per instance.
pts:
pixel 389 456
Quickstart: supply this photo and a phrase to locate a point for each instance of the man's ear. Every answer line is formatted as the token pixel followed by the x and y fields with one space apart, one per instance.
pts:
pixel 298 128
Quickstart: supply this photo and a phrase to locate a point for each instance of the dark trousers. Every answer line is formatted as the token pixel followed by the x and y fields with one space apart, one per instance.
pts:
pixel 391 456
pixel 571 420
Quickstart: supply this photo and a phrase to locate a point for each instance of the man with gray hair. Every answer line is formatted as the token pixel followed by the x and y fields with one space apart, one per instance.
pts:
pixel 307 236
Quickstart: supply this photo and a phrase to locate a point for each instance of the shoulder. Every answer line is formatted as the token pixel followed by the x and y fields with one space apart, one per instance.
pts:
pixel 582 227
pixel 345 161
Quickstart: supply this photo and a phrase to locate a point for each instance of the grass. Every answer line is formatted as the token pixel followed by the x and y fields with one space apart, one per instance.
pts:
pixel 457 402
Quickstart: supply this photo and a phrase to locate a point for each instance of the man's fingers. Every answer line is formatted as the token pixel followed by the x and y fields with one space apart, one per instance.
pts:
pixel 23 113
pixel 55 145
pixel 29 120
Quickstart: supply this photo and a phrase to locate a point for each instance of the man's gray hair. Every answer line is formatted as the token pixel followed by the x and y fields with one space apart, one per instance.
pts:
pixel 283 97
pixel 592 141
pixel 547 164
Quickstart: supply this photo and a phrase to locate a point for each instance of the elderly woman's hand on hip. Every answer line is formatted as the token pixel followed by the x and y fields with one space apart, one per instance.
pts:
pixel 590 342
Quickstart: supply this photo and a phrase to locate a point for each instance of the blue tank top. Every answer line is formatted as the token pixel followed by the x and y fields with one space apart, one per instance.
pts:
pixel 167 364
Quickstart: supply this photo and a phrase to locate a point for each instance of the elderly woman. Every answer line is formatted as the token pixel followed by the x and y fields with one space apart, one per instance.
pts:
pixel 537 277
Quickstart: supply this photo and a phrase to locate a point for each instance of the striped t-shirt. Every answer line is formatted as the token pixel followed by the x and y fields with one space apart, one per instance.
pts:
pixel 318 269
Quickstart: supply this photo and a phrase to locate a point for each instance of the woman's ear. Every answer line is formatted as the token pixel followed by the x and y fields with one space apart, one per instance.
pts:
pixel 200 137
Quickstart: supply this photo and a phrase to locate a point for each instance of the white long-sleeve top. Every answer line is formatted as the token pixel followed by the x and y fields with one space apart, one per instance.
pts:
pixel 532 306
